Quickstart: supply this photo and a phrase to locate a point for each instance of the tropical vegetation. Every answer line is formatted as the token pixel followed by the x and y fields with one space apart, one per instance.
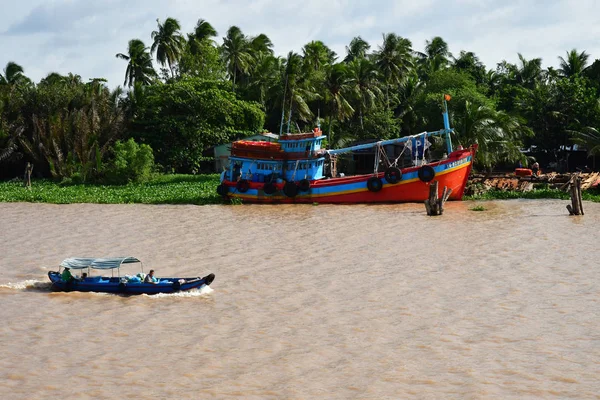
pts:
pixel 186 92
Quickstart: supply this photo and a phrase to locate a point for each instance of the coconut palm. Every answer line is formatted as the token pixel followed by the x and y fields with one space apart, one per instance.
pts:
pixel 139 64
pixel 436 57
pixel 204 30
pixel 497 133
pixel 13 74
pixel 393 59
pixel 261 44
pixel 358 48
pixel 317 55
pixel 575 63
pixel 235 53
pixel 530 72
pixel 363 79
pixel 337 86
pixel 168 43
pixel 264 76
pixel 300 90
pixel 588 137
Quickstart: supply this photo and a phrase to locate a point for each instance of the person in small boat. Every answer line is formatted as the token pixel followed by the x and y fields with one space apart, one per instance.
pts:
pixel 66 275
pixel 150 278
pixel 83 276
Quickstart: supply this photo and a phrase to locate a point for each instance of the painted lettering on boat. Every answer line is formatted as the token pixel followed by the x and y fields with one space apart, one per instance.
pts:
pixel 457 163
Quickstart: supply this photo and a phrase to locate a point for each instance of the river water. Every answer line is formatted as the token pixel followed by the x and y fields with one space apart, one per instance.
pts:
pixel 332 302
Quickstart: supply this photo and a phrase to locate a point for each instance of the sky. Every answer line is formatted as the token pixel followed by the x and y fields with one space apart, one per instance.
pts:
pixel 83 36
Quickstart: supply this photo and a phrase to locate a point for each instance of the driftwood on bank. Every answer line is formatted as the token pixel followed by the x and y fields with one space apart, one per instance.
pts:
pixel 481 183
pixel 576 206
pixel 433 205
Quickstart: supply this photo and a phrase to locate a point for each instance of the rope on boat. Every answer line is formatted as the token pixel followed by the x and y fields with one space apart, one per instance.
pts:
pixel 295 169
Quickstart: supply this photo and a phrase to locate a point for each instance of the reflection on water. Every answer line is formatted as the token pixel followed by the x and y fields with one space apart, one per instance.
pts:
pixel 366 301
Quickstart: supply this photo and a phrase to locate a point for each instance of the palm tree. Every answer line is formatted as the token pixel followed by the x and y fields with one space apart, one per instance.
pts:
pixel 168 43
pixel 530 73
pixel 393 60
pixel 300 90
pixel 363 79
pixel 497 133
pixel 436 56
pixel 358 48
pixel 316 55
pixel 13 74
pixel 204 30
pixel 575 63
pixel 235 52
pixel 337 85
pixel 589 137
pixel 261 44
pixel 264 76
pixel 139 66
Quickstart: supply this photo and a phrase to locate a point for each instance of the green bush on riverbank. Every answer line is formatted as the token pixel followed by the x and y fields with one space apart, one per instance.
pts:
pixel 163 189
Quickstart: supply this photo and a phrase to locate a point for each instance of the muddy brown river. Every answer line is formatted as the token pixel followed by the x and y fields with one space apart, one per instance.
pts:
pixel 327 302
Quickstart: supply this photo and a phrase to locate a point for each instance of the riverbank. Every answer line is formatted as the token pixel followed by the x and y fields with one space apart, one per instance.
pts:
pixel 201 190
pixel 163 189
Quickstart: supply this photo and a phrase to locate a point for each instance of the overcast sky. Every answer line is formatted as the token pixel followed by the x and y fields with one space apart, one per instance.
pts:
pixel 83 36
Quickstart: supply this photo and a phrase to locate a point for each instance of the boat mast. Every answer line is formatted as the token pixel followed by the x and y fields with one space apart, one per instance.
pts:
pixel 447 128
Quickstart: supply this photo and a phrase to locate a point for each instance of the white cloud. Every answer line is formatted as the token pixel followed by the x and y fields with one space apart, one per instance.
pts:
pixel 83 37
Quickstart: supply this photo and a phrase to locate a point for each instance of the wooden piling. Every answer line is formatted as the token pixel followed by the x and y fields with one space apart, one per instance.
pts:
pixel 433 205
pixel 576 206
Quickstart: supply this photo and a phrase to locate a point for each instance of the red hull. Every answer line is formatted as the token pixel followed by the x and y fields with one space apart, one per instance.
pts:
pixel 452 173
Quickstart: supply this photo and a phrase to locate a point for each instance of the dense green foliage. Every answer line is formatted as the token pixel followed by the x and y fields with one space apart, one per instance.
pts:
pixel 163 189
pixel 181 119
pixel 208 92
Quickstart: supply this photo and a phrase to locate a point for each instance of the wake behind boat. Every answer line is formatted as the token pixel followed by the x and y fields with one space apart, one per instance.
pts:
pixel 118 284
pixel 292 171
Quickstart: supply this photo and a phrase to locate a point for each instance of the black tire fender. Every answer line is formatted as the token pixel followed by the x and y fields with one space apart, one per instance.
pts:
pixel 222 190
pixel 290 189
pixel 304 185
pixel 374 184
pixel 242 186
pixel 122 287
pixel 393 175
pixel 426 173
pixel 269 188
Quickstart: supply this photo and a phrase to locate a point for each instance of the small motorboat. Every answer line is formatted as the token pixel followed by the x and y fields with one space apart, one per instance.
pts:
pixel 119 284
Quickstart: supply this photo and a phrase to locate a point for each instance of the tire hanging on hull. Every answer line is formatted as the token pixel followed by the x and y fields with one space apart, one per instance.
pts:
pixel 242 186
pixel 374 184
pixel 304 185
pixel 290 189
pixel 393 175
pixel 426 173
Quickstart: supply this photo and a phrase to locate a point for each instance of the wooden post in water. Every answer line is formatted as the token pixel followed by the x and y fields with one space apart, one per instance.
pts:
pixel 27 175
pixel 576 206
pixel 433 205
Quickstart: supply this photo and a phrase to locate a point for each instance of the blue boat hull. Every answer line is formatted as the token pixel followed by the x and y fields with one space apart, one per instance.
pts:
pixel 114 285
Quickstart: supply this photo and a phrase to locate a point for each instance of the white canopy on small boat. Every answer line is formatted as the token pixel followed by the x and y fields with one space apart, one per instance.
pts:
pixel 97 263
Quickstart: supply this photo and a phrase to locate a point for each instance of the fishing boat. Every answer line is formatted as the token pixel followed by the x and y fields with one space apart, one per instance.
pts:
pixel 119 284
pixel 292 170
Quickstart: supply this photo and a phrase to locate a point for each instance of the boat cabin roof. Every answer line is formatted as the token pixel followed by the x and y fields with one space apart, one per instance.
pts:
pixel 97 263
